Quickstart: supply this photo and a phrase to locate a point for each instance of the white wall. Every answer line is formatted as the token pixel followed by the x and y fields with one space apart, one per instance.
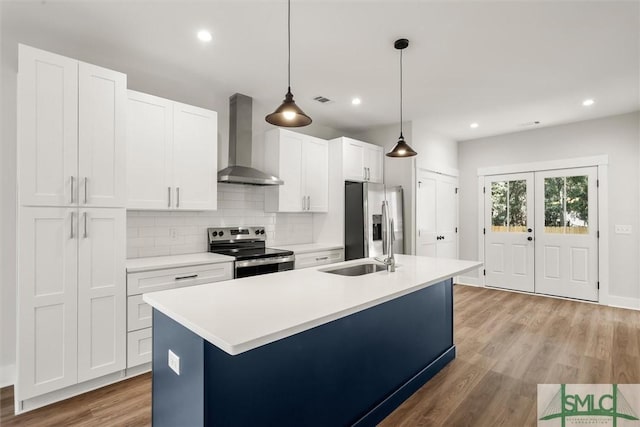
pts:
pixel 617 136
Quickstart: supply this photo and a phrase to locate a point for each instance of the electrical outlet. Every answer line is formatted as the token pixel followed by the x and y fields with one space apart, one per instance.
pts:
pixel 623 229
pixel 174 362
pixel 173 233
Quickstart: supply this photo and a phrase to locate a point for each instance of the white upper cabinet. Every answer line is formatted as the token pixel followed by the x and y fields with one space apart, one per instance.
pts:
pixel 362 161
pixel 101 135
pixel 71 135
pixel 302 162
pixel 47 128
pixel 172 155
pixel 195 157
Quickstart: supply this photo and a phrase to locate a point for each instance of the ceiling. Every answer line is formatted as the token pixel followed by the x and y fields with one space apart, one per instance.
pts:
pixel 500 64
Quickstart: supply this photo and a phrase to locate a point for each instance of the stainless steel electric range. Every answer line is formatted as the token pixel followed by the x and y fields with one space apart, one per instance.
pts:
pixel 247 245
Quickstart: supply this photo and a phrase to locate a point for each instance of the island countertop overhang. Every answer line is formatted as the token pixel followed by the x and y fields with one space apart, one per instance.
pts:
pixel 240 315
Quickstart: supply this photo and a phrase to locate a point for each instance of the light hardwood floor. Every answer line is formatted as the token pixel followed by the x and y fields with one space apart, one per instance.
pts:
pixel 506 342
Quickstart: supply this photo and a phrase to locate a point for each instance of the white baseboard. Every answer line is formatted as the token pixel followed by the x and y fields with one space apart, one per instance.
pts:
pixel 7 375
pixel 624 302
pixel 469 281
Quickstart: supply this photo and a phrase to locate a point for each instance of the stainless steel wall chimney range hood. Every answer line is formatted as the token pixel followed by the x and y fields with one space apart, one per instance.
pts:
pixel 240 139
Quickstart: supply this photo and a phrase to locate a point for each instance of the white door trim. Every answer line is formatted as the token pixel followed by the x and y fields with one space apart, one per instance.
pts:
pixel 576 162
pixel 603 208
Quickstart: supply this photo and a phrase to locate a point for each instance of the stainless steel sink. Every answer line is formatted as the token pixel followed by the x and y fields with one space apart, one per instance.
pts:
pixel 357 270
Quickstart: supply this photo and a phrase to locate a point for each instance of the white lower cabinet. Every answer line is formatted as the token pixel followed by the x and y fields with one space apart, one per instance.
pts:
pixel 71 297
pixel 312 259
pixel 139 313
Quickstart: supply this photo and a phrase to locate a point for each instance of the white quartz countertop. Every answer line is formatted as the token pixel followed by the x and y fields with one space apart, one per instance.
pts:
pixel 158 262
pixel 308 247
pixel 243 314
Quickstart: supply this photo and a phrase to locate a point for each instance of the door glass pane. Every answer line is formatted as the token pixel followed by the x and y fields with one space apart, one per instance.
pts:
pixel 566 205
pixel 509 206
pixel 518 206
pixel 554 205
pixel 499 194
pixel 577 207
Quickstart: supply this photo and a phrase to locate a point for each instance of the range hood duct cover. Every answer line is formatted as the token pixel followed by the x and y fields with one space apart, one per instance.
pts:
pixel 240 140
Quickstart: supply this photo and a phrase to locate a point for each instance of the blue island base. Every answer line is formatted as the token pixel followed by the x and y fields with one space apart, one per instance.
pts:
pixel 353 371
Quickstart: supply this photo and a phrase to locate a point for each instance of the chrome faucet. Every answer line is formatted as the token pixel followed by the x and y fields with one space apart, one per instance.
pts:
pixel 387 239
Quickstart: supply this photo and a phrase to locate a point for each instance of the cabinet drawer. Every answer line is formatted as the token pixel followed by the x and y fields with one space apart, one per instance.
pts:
pixel 318 258
pixel 139 345
pixel 138 313
pixel 159 280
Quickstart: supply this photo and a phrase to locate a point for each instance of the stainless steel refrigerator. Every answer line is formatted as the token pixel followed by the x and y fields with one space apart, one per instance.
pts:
pixel 363 222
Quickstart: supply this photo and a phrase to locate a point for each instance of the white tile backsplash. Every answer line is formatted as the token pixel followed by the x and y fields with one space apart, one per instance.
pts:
pixel 157 233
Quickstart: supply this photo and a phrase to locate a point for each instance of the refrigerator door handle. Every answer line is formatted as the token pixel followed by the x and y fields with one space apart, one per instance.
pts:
pixel 385 225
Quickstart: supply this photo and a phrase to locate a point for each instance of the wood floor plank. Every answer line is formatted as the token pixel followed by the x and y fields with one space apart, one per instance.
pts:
pixel 507 343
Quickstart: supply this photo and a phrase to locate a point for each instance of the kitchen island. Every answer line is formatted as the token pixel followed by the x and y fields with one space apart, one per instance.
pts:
pixel 303 347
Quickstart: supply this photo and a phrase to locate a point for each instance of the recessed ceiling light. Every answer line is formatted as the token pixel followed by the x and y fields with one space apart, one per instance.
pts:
pixel 356 101
pixel 588 102
pixel 204 35
pixel 473 125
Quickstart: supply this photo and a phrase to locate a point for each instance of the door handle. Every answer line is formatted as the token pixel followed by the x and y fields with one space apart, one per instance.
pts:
pixel 529 238
pixel 529 230
pixel 73 180
pixel 322 258
pixel 86 234
pixel 191 276
pixel 71 236
pixel 86 185
pixel 169 197
pixel 177 197
pixel 308 203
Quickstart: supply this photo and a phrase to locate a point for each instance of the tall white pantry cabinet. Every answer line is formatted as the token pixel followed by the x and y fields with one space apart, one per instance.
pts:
pixel 71 224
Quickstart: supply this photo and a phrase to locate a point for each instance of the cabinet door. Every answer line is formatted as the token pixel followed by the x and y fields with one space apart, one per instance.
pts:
pixel 353 160
pixel 316 174
pixel 374 158
pixel 47 128
pixel 101 292
pixel 47 300
pixel 291 194
pixel 149 151
pixel 101 136
pixel 195 159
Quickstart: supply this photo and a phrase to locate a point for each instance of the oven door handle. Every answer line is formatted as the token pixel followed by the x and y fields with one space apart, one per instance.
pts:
pixel 265 261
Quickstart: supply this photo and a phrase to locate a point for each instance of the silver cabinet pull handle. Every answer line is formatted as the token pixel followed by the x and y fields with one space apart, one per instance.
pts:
pixel 191 276
pixel 177 197
pixel 304 203
pixel 169 196
pixel 86 234
pixel 73 180
pixel 308 203
pixel 86 190
pixel 322 258
pixel 71 233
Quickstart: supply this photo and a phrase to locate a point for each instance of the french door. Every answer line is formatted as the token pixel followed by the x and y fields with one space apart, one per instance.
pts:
pixel 541 232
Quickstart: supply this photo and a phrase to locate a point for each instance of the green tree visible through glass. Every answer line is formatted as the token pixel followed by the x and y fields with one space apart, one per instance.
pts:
pixel 518 206
pixel 566 204
pixel 499 206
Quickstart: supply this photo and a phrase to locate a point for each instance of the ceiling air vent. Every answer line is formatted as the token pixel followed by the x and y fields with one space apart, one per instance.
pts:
pixel 321 99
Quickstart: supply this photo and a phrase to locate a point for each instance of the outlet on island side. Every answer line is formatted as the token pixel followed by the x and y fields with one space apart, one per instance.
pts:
pixel 174 362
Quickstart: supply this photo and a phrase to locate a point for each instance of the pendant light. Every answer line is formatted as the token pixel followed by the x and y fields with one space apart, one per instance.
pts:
pixel 288 114
pixel 401 149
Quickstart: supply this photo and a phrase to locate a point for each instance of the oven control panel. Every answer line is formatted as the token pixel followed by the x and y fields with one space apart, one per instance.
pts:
pixel 236 233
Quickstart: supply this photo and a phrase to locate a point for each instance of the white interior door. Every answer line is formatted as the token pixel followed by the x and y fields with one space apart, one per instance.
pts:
pixel 426 215
pixel 509 246
pixel 437 215
pixel 566 233
pixel 101 292
pixel 447 216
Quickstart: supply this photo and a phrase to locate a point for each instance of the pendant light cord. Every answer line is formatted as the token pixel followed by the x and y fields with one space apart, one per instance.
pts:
pixel 289 44
pixel 401 136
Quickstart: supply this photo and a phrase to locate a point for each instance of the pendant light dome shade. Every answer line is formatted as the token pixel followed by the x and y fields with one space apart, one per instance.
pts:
pixel 401 149
pixel 288 114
